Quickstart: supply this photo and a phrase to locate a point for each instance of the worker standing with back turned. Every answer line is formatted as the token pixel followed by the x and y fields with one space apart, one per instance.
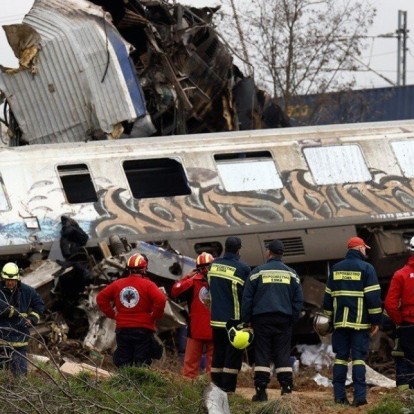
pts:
pixel 226 278
pixel 353 302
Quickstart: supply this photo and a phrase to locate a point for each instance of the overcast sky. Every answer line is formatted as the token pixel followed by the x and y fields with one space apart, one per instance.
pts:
pixel 381 55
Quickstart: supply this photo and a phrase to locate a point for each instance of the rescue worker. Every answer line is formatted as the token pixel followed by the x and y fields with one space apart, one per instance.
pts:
pixel 272 302
pixel 136 303
pixel 399 303
pixel 193 288
pixel 226 278
pixel 353 302
pixel 404 369
pixel 20 308
pixel 72 237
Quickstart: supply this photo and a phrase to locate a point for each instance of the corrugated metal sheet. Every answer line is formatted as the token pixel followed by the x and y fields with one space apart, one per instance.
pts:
pixel 85 80
pixel 365 105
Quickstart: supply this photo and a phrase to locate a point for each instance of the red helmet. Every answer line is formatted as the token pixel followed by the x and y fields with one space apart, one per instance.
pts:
pixel 204 259
pixel 137 262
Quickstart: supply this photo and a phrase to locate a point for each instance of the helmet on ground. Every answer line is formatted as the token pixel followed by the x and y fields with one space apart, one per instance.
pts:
pixel 411 245
pixel 10 271
pixel 322 324
pixel 239 336
pixel 137 262
pixel 204 259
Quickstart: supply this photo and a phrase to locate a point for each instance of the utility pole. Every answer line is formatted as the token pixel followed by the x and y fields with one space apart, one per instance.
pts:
pixel 402 48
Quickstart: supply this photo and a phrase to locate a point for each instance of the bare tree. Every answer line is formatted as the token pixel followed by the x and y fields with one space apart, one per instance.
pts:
pixel 299 47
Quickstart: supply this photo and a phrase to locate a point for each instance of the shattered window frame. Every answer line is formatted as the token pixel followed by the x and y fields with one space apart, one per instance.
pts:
pixel 77 183
pixel 156 177
pixel 248 171
pixel 337 164
pixel 404 152
pixel 4 198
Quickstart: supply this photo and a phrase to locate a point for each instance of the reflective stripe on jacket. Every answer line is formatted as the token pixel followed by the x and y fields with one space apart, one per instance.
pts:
pixel 226 279
pixel 353 294
pixel 15 308
pixel 272 288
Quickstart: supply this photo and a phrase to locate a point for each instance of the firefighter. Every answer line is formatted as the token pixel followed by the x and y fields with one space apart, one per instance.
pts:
pixel 399 304
pixel 136 303
pixel 226 279
pixel 353 301
pixel 404 369
pixel 272 302
pixel 20 308
pixel 193 288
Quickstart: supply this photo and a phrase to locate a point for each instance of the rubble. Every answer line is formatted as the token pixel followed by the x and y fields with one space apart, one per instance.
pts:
pixel 112 69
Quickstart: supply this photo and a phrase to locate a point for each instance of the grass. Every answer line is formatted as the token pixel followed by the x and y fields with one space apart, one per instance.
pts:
pixel 395 403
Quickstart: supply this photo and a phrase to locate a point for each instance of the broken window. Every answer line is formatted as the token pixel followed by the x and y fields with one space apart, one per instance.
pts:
pixel 404 151
pixel 158 177
pixel 4 200
pixel 337 164
pixel 248 171
pixel 77 183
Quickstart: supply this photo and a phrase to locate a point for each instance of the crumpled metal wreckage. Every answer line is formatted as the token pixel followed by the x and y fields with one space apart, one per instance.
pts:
pixel 76 313
pixel 108 69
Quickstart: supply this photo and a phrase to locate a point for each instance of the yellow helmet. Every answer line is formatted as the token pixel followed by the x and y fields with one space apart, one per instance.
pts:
pixel 10 271
pixel 239 336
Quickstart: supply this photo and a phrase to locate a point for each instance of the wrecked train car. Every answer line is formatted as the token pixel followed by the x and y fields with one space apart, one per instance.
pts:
pixel 110 69
pixel 311 187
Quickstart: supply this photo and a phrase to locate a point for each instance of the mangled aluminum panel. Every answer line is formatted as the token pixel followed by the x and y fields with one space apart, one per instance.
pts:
pixel 77 82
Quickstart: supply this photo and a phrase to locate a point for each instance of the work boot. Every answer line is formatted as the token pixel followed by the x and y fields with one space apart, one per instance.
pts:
pixel 286 389
pixel 358 403
pixel 342 401
pixel 260 395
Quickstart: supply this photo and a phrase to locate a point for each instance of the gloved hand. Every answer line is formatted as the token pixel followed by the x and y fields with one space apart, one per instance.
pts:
pixel 31 321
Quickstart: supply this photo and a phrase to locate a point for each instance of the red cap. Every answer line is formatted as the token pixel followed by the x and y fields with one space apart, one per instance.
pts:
pixel 355 242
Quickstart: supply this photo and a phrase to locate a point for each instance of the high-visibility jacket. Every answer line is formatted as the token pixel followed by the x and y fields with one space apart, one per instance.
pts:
pixel 399 302
pixel 226 279
pixel 194 290
pixel 133 301
pixel 353 294
pixel 16 307
pixel 272 287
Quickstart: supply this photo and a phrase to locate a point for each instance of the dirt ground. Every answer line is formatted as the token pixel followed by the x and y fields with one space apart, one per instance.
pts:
pixel 318 401
pixel 309 397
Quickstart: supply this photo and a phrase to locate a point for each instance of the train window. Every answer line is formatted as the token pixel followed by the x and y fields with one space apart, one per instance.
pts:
pixel 337 164
pixel 159 177
pixel 248 171
pixel 77 183
pixel 404 151
pixel 4 201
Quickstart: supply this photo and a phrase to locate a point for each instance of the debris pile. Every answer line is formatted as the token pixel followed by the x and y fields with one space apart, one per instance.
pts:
pixel 107 69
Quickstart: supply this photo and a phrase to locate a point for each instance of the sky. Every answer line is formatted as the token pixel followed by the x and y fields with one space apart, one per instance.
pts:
pixel 381 54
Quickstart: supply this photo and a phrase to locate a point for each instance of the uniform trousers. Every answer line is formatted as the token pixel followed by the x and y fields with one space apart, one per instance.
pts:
pixel 227 361
pixel 272 343
pixel 346 343
pixel 133 347
pixel 194 350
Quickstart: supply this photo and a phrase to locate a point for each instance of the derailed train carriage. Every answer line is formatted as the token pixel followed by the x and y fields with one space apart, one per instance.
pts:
pixel 313 188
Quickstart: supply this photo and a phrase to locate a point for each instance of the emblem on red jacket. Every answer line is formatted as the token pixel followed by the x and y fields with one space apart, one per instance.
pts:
pixel 129 297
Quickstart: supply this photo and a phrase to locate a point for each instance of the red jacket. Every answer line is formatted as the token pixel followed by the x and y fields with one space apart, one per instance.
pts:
pixel 194 290
pixel 138 302
pixel 399 302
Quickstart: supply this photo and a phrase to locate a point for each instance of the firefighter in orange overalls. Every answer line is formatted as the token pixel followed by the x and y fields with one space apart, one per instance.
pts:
pixel 193 288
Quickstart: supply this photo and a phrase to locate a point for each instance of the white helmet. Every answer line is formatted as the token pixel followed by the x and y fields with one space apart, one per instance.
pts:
pixel 411 245
pixel 322 324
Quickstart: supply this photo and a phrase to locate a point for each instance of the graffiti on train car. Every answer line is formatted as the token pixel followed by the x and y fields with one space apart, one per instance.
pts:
pixel 209 206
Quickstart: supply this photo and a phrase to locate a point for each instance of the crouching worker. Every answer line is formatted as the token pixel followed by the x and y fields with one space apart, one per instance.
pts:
pixel 20 308
pixel 193 288
pixel 135 302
